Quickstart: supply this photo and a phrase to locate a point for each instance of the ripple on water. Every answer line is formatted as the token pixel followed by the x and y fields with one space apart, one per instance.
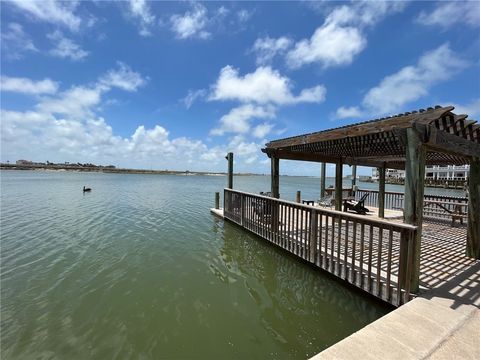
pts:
pixel 139 268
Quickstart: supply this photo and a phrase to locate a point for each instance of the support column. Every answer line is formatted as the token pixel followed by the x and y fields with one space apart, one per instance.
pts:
pixel 414 187
pixel 338 185
pixel 473 231
pixel 322 180
pixel 230 170
pixel 381 192
pixel 354 178
pixel 275 177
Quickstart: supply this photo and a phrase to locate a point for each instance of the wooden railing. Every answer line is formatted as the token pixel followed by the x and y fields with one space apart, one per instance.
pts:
pixel 435 206
pixel 374 255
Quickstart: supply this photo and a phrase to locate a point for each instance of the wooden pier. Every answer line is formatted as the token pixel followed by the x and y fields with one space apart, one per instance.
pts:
pixel 368 252
pixel 373 254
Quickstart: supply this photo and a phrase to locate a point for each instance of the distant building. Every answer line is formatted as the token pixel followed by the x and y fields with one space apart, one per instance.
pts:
pixel 449 172
pixel 432 172
pixel 24 162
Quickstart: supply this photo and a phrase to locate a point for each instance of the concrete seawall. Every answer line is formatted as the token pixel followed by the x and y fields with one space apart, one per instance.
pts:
pixel 443 323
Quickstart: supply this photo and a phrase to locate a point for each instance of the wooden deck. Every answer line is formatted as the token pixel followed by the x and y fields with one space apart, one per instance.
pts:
pixel 371 253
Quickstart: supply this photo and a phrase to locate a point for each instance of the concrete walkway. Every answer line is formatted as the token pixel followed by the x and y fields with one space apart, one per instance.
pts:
pixel 443 323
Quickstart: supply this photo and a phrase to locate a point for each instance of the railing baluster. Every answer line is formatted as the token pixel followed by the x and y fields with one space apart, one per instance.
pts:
pixel 379 261
pixel 389 264
pixel 317 235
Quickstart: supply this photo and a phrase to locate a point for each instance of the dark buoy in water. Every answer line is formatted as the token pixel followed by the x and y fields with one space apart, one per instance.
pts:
pixel 86 189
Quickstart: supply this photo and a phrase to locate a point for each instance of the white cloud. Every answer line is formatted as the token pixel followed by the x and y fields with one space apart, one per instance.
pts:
pixel 76 102
pixel 472 109
pixel 15 42
pixel 267 48
pixel 447 14
pixel 81 101
pixel 66 48
pixel 65 127
pixel 409 83
pixel 54 12
pixel 341 37
pixel 123 78
pixel 262 130
pixel 238 119
pixel 330 45
pixel 412 82
pixel 348 112
pixel 191 24
pixel 28 86
pixel 140 10
pixel 192 96
pixel 262 86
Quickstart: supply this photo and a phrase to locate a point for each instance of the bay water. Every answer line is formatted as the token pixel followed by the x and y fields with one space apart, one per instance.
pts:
pixel 139 269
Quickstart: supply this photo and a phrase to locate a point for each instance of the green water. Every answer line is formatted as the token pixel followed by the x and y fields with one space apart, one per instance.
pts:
pixel 139 269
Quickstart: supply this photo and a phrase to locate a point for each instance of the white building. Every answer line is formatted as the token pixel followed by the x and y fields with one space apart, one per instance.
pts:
pixel 449 172
pixel 432 172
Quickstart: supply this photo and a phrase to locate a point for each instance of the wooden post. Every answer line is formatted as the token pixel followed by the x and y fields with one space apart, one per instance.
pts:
pixel 381 193
pixel 299 196
pixel 322 180
pixel 217 200
pixel 275 177
pixel 414 187
pixel 338 185
pixel 473 231
pixel 230 170
pixel 354 178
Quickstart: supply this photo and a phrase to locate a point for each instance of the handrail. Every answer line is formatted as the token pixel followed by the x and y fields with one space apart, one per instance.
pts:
pixel 375 255
pixel 331 211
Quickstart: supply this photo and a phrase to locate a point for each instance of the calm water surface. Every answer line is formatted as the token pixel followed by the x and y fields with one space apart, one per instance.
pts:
pixel 139 268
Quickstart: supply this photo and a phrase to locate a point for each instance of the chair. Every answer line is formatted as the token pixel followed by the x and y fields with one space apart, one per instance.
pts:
pixel 326 201
pixel 357 206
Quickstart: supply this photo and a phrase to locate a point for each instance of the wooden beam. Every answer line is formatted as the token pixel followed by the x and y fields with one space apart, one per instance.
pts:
pixel 322 180
pixel 275 177
pixel 413 201
pixel 338 185
pixel 445 142
pixel 381 193
pixel 318 157
pixel 360 129
pixel 230 170
pixel 473 231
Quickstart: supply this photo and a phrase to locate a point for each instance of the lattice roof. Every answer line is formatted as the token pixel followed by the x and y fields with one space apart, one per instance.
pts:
pixel 449 138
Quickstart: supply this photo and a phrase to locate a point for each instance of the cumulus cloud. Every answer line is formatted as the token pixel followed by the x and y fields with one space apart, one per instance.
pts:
pixel 66 127
pixel 262 130
pixel 15 42
pixel 191 24
pixel 140 10
pixel 81 101
pixel 263 86
pixel 123 78
pixel 344 112
pixel 267 48
pixel 55 12
pixel 239 118
pixel 449 13
pixel 342 35
pixel 409 83
pixel 65 47
pixel 28 86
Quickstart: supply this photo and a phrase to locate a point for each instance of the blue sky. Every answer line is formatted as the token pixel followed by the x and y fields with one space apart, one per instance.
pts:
pixel 175 85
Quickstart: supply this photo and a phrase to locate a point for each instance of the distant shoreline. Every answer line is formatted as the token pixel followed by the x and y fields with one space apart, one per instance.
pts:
pixel 101 169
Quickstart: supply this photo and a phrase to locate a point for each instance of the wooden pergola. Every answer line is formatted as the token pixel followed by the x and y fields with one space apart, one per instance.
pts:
pixel 409 141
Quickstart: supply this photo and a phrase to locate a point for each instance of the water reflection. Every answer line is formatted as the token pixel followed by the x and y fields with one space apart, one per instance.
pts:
pixel 293 297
